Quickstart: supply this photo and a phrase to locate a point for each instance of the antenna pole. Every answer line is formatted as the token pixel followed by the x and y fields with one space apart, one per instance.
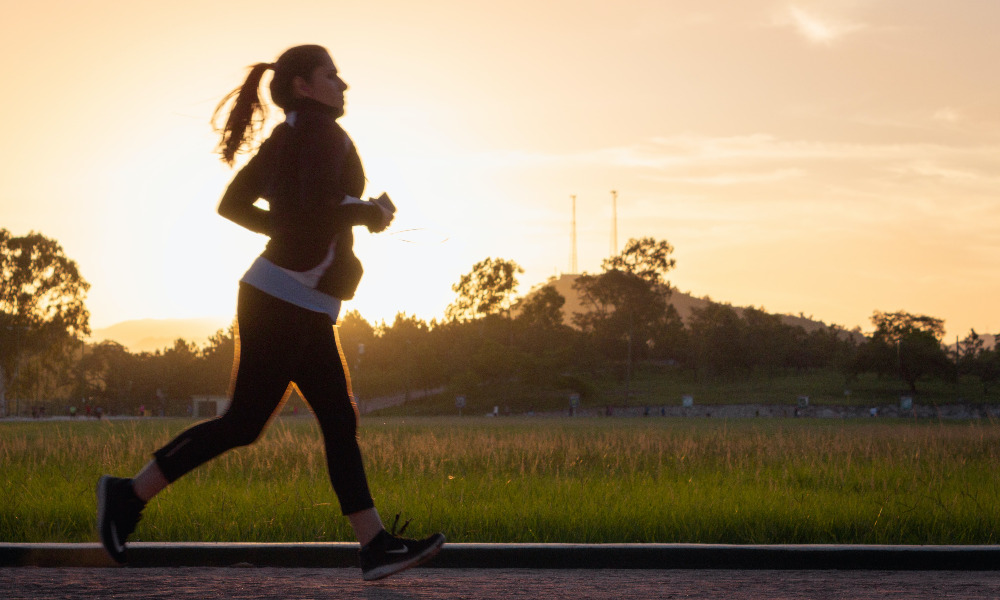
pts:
pixel 614 222
pixel 572 240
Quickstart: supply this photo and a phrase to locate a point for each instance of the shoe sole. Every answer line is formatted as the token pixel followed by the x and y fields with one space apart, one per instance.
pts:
pixel 102 498
pixel 387 570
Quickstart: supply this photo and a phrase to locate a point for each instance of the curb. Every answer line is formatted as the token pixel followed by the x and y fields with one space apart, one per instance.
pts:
pixel 524 556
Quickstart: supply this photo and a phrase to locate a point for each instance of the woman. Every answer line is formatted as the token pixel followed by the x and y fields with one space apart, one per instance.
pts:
pixel 311 175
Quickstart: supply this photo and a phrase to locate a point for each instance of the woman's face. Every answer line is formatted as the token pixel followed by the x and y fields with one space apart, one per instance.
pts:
pixel 324 86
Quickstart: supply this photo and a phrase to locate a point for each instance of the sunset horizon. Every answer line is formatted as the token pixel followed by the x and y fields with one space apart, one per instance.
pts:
pixel 825 157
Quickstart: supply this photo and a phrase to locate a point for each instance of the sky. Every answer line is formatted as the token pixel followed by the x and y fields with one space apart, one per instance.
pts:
pixel 825 157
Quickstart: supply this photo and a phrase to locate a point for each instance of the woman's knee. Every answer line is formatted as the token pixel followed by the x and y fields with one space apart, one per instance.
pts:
pixel 237 431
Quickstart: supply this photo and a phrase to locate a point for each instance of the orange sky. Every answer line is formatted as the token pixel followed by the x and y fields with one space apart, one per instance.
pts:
pixel 830 157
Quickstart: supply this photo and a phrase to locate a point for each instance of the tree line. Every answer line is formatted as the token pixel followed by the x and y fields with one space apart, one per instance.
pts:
pixel 492 343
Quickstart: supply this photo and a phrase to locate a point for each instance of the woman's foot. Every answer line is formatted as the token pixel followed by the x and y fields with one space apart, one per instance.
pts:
pixel 388 554
pixel 119 510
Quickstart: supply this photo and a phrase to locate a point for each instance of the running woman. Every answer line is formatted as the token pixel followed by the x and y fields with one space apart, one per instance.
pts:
pixel 310 173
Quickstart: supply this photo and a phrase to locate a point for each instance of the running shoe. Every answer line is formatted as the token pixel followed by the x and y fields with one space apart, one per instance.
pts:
pixel 119 510
pixel 389 553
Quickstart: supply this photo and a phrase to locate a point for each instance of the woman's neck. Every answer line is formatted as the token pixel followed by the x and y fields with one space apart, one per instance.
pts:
pixel 310 105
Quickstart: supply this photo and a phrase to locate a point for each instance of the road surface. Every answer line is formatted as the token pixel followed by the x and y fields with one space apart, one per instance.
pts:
pixel 445 584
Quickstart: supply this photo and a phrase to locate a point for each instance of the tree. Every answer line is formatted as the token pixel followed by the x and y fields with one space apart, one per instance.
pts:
pixel 488 289
pixel 907 344
pixel 975 359
pixel 217 362
pixel 718 337
pixel 178 368
pixel 627 303
pixel 355 333
pixel 106 372
pixel 541 309
pixel 646 258
pixel 41 301
pixel 894 326
pixel 406 351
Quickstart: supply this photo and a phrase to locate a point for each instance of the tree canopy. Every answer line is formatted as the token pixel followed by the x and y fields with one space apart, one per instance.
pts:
pixel 41 301
pixel 908 345
pixel 488 289
pixel 645 258
pixel 896 325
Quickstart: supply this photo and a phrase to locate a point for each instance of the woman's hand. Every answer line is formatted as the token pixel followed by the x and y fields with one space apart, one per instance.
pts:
pixel 387 217
pixel 388 212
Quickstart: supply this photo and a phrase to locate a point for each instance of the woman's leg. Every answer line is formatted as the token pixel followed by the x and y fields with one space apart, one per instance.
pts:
pixel 149 482
pixel 268 347
pixel 324 382
pixel 366 525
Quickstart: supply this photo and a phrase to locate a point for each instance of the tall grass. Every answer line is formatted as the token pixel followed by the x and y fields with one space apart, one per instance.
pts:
pixel 521 480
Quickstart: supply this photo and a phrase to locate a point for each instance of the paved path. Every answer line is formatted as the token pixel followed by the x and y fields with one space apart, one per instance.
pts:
pixel 446 584
pixel 332 555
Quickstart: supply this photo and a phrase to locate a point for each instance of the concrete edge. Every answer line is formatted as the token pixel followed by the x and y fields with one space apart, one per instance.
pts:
pixel 523 556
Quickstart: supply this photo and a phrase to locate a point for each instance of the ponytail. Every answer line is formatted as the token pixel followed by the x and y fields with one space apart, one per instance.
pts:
pixel 248 111
pixel 246 117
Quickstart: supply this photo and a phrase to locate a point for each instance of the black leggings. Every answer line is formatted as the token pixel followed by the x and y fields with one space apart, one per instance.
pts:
pixel 280 343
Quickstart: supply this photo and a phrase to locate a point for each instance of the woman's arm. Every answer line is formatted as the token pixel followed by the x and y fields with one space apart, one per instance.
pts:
pixel 237 203
pixel 352 209
pixel 365 212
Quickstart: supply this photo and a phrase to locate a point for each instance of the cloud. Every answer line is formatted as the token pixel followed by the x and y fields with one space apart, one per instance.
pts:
pixel 947 114
pixel 818 29
pixel 691 150
pixel 730 178
pixel 737 159
pixel 929 169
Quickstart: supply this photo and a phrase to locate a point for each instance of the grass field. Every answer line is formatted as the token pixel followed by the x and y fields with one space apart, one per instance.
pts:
pixel 543 480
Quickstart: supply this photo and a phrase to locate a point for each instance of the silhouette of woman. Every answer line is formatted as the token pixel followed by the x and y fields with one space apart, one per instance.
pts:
pixel 310 173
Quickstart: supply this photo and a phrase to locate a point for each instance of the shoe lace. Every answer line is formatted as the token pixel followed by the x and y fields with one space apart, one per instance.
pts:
pixel 395 522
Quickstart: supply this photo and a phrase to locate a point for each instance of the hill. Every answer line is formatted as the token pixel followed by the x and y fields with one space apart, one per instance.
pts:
pixel 684 302
pixel 147 335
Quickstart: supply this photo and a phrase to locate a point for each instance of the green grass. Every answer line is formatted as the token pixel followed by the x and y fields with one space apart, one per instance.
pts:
pixel 544 480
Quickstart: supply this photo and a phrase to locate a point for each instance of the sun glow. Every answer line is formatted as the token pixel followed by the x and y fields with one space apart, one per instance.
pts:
pixel 858 176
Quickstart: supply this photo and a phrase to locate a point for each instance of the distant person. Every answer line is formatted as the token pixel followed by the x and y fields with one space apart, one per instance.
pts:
pixel 310 173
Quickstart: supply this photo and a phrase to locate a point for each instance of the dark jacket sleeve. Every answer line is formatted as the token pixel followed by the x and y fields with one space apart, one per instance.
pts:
pixel 247 187
pixel 353 184
pixel 368 214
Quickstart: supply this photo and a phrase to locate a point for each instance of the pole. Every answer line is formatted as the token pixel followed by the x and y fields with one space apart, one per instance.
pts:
pixel 628 363
pixel 17 371
pixel 614 222
pixel 957 372
pixel 572 255
pixel 409 368
pixel 357 369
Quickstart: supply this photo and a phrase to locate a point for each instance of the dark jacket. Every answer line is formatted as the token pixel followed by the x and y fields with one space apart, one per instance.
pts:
pixel 304 171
